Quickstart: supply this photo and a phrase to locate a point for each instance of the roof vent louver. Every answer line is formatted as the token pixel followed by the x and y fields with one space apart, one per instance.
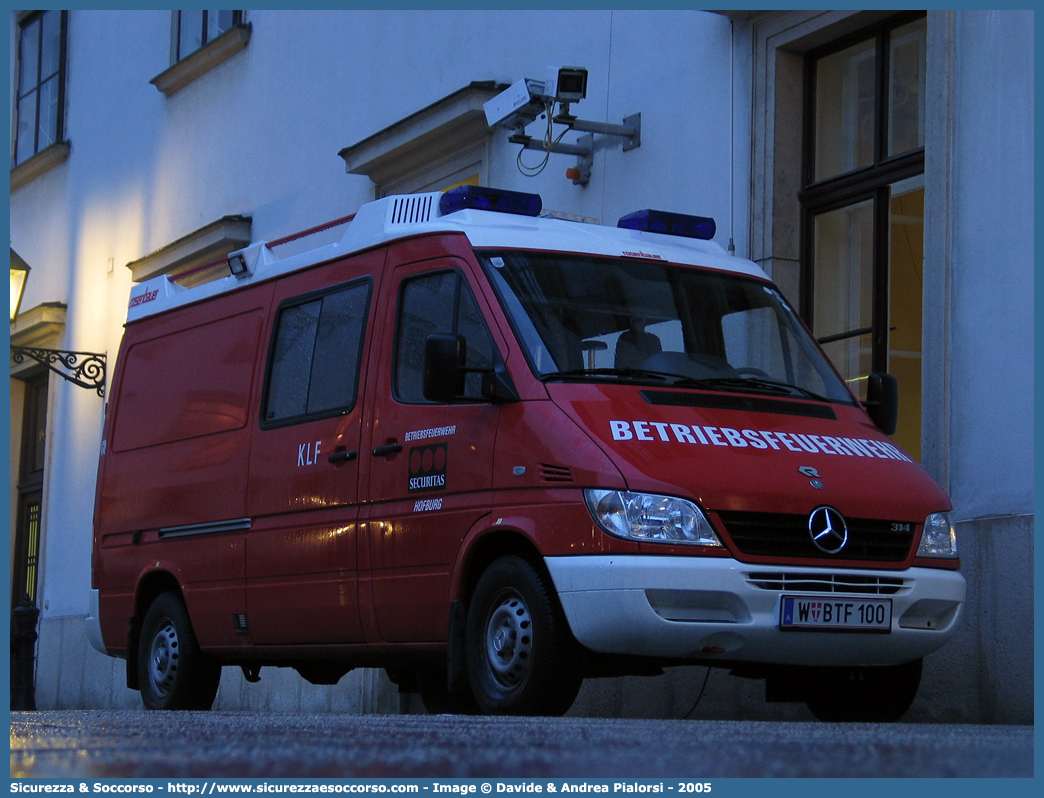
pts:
pixel 413 209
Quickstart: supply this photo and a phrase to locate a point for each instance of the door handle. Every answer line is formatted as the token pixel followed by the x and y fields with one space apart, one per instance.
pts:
pixel 342 457
pixel 391 448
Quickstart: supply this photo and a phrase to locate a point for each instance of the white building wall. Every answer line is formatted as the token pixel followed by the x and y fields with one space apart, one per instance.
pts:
pixel 990 363
pixel 992 266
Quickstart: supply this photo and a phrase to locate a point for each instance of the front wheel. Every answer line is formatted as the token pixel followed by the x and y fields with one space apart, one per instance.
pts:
pixel 520 653
pixel 879 694
pixel 172 672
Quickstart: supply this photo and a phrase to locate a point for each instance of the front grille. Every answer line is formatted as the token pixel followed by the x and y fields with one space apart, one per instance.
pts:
pixel 828 583
pixel 782 535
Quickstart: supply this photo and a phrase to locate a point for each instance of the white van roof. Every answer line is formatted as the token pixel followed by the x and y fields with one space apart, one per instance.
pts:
pixel 404 216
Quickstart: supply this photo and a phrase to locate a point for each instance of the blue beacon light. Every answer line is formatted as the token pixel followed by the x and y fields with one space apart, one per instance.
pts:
pixel 672 224
pixel 482 198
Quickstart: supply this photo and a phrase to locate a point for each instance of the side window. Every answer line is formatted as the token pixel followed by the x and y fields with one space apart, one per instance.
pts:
pixel 438 303
pixel 313 368
pixel 40 100
pixel 193 29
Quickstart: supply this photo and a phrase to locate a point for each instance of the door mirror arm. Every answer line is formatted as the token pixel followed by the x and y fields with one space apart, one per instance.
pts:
pixel 497 384
pixel 882 401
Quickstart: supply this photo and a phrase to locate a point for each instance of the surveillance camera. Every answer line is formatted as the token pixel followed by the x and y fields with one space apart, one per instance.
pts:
pixel 516 106
pixel 565 84
pixel 526 99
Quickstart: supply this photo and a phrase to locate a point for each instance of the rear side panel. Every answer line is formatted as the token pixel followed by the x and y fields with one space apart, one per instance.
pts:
pixel 173 486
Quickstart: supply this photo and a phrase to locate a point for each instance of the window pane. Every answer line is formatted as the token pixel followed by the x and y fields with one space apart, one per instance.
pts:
pixel 30 57
pixel 906 87
pixel 427 306
pixel 48 114
pixel 753 340
pixel 52 39
pixel 292 361
pixel 905 288
pixel 190 32
pixel 845 111
pixel 335 364
pixel 217 23
pixel 26 128
pixel 843 287
pixel 472 326
pixel 671 319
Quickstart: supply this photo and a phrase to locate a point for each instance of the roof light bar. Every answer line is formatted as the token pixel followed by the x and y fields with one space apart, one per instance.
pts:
pixel 672 224
pixel 481 198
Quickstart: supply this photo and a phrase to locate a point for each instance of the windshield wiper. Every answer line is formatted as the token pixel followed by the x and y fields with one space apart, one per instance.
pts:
pixel 739 384
pixel 758 385
pixel 643 374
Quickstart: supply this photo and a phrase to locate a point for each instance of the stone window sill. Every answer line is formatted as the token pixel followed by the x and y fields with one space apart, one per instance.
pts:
pixel 196 249
pixel 203 60
pixel 43 161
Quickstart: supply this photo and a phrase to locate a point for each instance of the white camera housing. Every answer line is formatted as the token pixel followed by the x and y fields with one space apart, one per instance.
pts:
pixel 516 106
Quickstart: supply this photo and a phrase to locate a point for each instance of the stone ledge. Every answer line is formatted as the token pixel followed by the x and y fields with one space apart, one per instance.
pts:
pixel 445 126
pixel 201 246
pixel 45 160
pixel 203 60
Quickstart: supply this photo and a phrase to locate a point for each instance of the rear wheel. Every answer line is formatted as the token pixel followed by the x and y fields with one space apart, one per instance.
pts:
pixel 521 656
pixel 880 694
pixel 172 672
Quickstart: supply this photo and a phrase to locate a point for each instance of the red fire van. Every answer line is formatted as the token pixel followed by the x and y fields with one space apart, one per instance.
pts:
pixel 496 453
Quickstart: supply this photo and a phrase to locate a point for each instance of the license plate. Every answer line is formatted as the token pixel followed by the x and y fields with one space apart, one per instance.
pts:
pixel 820 612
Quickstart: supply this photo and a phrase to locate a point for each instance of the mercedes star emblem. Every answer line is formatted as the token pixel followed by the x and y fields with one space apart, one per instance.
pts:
pixel 828 529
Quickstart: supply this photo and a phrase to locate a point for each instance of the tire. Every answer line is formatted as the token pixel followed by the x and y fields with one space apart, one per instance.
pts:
pixel 521 657
pixel 880 694
pixel 172 672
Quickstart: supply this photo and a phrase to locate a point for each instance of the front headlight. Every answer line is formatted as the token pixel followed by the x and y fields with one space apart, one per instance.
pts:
pixel 650 518
pixel 939 539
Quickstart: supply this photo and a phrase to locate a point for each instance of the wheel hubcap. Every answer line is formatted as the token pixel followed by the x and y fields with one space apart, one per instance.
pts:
pixel 163 659
pixel 509 640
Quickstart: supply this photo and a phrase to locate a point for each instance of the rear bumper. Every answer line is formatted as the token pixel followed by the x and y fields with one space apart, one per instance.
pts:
pixel 715 608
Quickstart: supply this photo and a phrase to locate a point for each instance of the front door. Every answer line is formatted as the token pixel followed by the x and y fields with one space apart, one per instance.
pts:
pixel 301 556
pixel 431 464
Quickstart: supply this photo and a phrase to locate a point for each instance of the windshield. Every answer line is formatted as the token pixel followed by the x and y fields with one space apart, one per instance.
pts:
pixel 585 318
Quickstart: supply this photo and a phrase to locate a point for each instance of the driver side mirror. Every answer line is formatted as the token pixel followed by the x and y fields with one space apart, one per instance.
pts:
pixel 444 359
pixel 882 401
pixel 444 372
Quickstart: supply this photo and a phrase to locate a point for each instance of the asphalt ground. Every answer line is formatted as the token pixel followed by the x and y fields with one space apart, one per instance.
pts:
pixel 139 744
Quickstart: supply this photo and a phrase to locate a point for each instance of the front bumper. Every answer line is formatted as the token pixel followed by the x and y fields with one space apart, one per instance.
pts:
pixel 717 608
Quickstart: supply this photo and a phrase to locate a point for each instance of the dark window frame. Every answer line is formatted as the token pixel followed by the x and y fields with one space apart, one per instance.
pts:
pixel 25 564
pixel 59 134
pixel 865 183
pixel 303 299
pixel 237 19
